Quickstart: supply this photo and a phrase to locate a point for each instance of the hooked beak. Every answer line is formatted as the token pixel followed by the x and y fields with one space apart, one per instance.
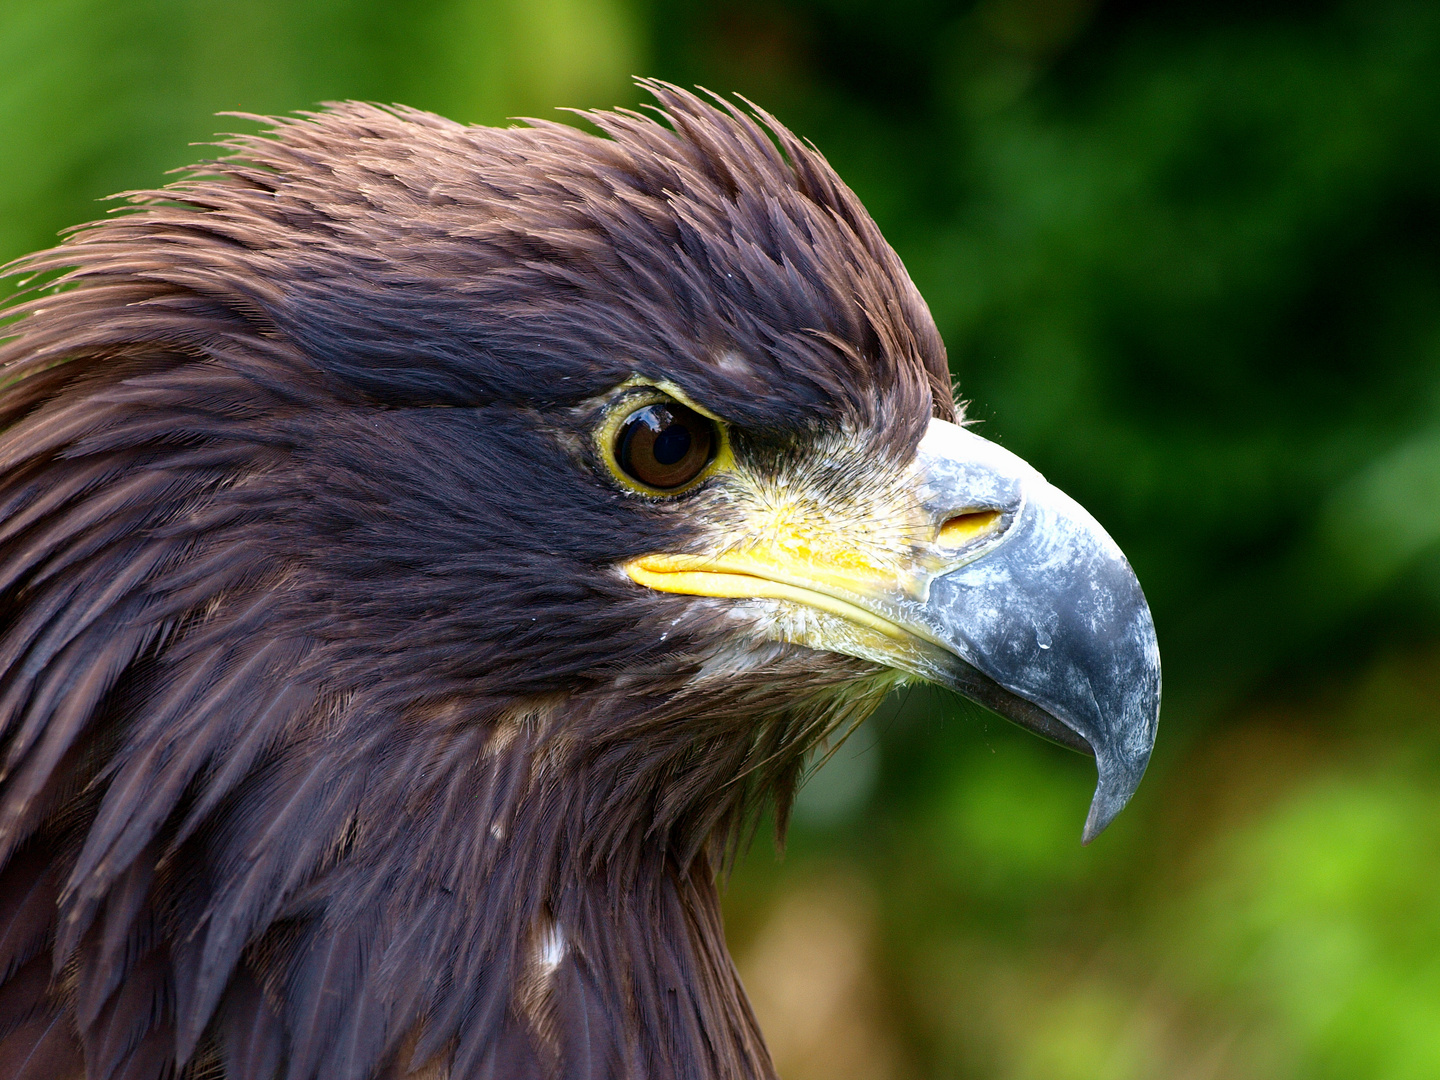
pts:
pixel 1010 593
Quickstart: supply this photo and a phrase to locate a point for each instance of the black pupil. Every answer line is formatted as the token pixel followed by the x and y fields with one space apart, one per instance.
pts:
pixel 672 443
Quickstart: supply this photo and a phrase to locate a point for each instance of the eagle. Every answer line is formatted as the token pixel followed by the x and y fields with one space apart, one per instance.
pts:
pixel 426 550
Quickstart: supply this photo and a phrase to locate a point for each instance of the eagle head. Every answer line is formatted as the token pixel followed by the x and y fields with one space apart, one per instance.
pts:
pixel 425 548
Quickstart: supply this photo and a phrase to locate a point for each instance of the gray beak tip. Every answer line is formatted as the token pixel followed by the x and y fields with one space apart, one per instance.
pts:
pixel 1104 808
pixel 1116 784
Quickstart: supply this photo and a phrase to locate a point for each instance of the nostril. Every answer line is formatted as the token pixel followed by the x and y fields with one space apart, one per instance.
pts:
pixel 963 529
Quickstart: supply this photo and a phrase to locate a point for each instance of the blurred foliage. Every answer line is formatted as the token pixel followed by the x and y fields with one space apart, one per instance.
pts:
pixel 1185 258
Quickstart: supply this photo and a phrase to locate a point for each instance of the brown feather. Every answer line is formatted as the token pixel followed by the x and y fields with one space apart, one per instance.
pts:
pixel 41 1048
pixel 332 746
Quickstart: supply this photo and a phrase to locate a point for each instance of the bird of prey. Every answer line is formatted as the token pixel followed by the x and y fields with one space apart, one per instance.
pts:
pixel 425 549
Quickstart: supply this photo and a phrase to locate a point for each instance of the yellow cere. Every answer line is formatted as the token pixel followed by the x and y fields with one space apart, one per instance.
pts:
pixel 964 529
pixel 726 576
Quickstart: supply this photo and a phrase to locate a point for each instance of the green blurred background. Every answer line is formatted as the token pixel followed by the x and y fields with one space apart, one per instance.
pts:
pixel 1185 257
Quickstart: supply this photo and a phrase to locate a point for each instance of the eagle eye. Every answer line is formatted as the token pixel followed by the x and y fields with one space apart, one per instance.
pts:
pixel 665 446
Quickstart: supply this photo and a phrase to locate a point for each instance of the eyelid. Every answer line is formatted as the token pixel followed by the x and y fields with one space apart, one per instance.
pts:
pixel 668 389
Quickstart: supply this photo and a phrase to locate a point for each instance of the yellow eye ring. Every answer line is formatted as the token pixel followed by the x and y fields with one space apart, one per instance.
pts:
pixel 660 446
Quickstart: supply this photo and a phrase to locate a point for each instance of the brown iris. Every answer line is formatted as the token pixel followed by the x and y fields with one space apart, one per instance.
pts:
pixel 665 445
